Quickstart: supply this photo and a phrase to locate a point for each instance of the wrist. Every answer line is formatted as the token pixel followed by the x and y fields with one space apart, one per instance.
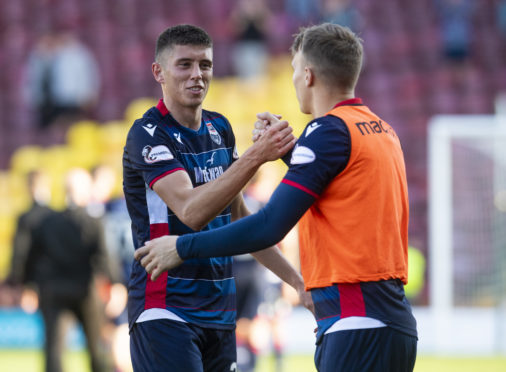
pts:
pixel 253 157
pixel 299 284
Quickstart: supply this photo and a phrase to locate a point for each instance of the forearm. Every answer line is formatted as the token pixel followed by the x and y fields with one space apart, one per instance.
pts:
pixel 205 202
pixel 253 233
pixel 275 261
pixel 196 207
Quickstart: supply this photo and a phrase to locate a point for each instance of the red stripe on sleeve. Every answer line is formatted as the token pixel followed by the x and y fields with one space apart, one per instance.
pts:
pixel 300 187
pixel 163 175
pixel 352 300
pixel 156 290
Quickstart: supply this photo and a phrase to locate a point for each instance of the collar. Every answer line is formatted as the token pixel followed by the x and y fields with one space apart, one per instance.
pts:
pixel 162 108
pixel 349 102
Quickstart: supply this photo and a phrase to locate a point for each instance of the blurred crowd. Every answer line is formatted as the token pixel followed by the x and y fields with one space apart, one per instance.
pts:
pixel 72 73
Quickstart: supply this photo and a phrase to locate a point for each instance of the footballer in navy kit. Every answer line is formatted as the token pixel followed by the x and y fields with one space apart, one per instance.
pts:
pixel 182 174
pixel 154 151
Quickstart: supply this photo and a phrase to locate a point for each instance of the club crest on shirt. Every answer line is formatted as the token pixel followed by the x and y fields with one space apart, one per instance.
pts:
pixel 213 133
pixel 157 153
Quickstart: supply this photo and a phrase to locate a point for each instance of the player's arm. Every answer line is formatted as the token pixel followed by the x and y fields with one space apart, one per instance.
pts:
pixel 196 207
pixel 250 234
pixel 321 154
pixel 273 259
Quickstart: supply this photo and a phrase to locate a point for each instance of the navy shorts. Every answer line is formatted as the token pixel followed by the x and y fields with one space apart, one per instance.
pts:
pixel 366 350
pixel 168 345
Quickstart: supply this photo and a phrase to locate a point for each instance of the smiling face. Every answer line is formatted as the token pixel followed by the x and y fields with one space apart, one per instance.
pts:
pixel 184 72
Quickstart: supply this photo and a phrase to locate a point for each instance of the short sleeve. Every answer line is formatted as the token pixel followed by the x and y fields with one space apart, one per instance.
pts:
pixel 151 152
pixel 320 154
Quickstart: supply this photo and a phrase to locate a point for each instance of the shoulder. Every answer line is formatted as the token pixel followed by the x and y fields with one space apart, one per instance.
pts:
pixel 325 128
pixel 147 127
pixel 218 120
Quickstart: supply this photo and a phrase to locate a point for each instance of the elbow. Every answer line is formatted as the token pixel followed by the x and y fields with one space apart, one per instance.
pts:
pixel 193 220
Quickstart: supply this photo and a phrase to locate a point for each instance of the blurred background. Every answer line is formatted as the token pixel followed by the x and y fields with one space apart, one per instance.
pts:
pixel 74 75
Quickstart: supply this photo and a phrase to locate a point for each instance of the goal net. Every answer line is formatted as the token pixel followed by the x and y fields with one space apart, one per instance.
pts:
pixel 467 229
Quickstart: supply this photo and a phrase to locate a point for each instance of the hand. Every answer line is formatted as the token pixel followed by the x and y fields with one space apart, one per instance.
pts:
pixel 159 255
pixel 275 141
pixel 265 120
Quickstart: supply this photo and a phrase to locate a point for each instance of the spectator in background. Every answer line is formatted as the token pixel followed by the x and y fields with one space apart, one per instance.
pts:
pixel 501 17
pixel 115 219
pixel 303 11
pixel 341 12
pixel 21 270
pixel 250 20
pixel 66 256
pixel 62 79
pixel 456 28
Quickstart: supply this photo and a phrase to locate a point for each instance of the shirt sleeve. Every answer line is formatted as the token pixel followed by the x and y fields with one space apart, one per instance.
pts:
pixel 253 233
pixel 151 152
pixel 320 154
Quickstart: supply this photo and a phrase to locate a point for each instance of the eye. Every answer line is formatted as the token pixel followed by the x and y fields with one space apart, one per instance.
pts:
pixel 206 66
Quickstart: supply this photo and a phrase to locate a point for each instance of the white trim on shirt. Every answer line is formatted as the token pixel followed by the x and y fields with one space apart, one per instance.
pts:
pixel 154 314
pixel 355 322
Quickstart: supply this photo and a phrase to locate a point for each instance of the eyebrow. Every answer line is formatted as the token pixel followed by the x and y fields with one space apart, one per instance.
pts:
pixel 192 59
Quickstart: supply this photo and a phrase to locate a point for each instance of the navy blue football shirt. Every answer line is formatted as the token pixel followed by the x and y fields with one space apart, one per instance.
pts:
pixel 201 291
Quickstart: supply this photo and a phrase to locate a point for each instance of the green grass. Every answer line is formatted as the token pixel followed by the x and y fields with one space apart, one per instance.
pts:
pixel 424 363
pixel 76 361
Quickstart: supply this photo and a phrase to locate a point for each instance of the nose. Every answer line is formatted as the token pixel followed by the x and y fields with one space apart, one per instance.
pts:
pixel 196 72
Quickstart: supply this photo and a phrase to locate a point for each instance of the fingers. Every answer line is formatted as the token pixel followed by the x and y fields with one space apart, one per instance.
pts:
pixel 156 273
pixel 287 147
pixel 265 120
pixel 142 251
pixel 150 266
pixel 284 133
pixel 271 118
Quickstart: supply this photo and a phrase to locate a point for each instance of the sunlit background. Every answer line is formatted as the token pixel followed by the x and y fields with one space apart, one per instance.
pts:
pixel 434 69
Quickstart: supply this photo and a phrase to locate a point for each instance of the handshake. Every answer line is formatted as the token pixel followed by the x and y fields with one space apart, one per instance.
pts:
pixel 273 136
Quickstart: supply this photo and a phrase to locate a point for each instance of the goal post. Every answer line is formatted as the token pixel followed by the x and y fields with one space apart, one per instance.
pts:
pixel 467 232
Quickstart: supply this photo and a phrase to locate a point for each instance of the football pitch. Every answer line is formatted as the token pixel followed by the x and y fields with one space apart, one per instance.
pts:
pixel 76 361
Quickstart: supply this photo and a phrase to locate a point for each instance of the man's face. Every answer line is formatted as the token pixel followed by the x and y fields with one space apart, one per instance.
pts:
pixel 299 81
pixel 186 72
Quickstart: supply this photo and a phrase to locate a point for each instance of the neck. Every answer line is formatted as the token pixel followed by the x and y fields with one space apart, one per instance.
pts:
pixel 187 116
pixel 324 100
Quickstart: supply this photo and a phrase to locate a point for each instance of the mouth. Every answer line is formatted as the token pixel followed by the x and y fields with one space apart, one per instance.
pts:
pixel 196 89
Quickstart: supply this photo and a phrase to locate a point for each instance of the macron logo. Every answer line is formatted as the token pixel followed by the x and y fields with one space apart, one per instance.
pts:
pixel 178 137
pixel 150 128
pixel 312 128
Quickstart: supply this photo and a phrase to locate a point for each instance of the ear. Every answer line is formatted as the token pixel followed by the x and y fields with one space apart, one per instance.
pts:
pixel 156 69
pixel 308 76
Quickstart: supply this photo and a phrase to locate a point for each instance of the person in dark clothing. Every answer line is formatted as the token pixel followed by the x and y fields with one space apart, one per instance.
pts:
pixel 38 188
pixel 65 256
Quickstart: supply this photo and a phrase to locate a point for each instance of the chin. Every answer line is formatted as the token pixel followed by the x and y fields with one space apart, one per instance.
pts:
pixel 304 110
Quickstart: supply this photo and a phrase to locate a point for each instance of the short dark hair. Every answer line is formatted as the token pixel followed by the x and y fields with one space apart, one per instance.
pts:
pixel 334 51
pixel 182 35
